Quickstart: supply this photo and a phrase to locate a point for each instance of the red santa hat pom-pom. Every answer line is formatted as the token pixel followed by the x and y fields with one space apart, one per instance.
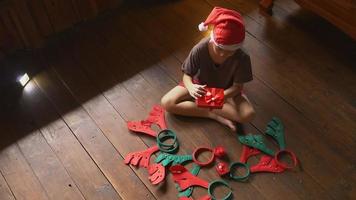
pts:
pixel 219 151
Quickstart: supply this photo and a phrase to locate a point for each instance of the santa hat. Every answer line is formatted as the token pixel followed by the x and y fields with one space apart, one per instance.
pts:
pixel 229 30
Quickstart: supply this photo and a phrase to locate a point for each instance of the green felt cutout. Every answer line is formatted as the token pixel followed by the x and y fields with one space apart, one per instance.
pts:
pixel 166 159
pixel 256 141
pixel 275 129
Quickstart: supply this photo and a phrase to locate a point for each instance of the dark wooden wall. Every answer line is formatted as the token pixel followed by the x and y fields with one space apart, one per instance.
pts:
pixel 28 23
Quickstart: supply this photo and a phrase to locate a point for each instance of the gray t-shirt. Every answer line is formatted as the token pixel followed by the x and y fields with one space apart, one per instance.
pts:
pixel 200 66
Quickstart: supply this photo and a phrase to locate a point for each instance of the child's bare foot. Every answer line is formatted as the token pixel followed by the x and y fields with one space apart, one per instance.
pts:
pixel 227 122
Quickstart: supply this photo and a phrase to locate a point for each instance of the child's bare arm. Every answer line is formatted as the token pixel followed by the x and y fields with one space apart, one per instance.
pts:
pixel 234 90
pixel 195 90
pixel 187 80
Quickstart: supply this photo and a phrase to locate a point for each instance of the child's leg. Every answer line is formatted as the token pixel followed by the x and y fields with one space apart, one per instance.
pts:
pixel 237 109
pixel 178 101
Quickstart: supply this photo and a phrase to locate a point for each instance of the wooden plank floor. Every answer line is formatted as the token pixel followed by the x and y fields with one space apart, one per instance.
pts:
pixel 64 136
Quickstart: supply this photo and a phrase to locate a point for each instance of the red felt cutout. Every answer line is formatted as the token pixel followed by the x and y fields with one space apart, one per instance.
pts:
pixel 267 164
pixel 157 173
pixel 141 158
pixel 206 197
pixel 156 116
pixel 185 198
pixel 143 126
pixel 248 152
pixel 199 150
pixel 185 179
pixel 294 158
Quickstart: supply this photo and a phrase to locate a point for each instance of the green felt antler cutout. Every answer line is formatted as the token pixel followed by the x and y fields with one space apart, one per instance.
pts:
pixel 275 129
pixel 166 159
pixel 257 142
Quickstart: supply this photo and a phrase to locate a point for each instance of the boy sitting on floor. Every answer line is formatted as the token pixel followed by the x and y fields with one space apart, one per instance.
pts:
pixel 217 61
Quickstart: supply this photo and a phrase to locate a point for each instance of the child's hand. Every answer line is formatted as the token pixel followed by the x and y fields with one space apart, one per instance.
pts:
pixel 197 91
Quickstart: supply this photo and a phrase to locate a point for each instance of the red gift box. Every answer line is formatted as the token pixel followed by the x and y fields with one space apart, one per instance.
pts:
pixel 213 98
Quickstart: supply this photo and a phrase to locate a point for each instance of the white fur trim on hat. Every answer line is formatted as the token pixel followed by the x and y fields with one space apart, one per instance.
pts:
pixel 231 47
pixel 202 27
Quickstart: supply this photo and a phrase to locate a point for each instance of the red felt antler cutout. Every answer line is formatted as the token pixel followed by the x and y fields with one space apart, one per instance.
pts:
pixel 143 126
pixel 247 152
pixel 206 197
pixel 185 179
pixel 156 116
pixel 141 158
pixel 157 173
pixel 267 164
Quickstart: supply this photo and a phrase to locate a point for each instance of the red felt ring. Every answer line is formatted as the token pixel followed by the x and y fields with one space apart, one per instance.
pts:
pixel 294 158
pixel 200 150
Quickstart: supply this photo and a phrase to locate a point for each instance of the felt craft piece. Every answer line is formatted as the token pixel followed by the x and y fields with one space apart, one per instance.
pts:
pixel 285 165
pixel 275 129
pixel 141 158
pixel 185 198
pixel 216 184
pixel 222 168
pixel 185 179
pixel 267 164
pixel 206 197
pixel 213 98
pixel 157 173
pixel 218 151
pixel 142 126
pixel 257 142
pixel 198 151
pixel 156 116
pixel 165 135
pixel 188 192
pixel 166 159
pixel 248 152
pixel 233 168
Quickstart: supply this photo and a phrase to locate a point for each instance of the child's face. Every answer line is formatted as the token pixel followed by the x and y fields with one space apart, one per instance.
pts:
pixel 222 53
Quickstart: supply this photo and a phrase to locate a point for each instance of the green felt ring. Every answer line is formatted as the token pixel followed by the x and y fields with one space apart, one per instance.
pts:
pixel 215 184
pixel 169 134
pixel 236 165
pixel 164 135
pixel 162 140
pixel 168 148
